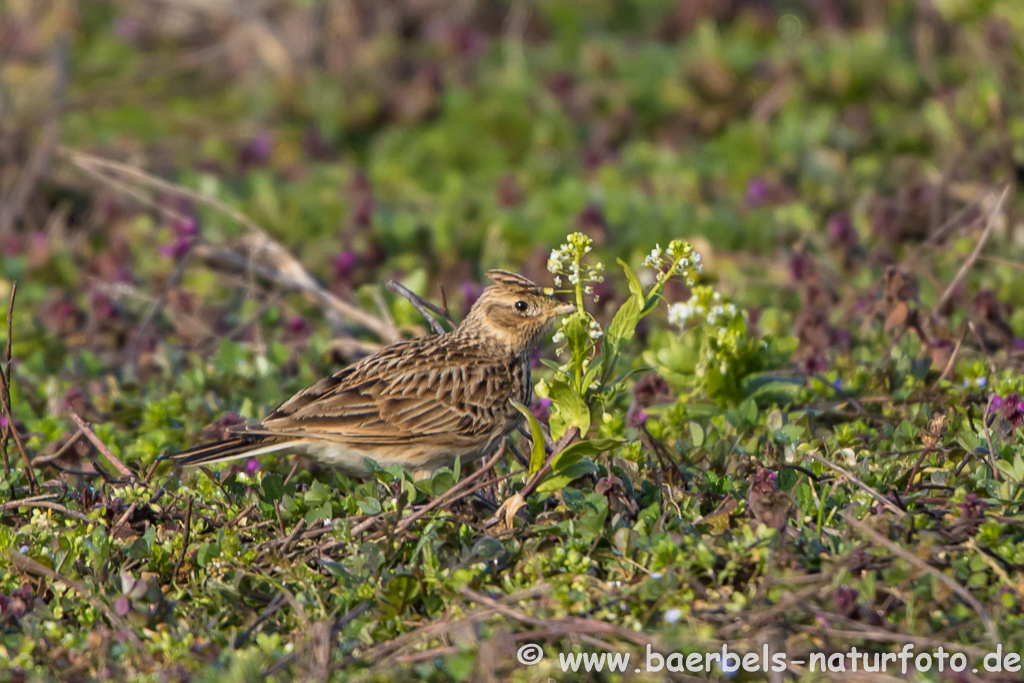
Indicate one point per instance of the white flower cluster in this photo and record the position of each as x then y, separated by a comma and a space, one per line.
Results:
564, 262
681, 256
709, 308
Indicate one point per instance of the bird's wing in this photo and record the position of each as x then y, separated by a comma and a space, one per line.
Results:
413, 389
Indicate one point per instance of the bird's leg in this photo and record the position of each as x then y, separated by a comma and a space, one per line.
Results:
519, 456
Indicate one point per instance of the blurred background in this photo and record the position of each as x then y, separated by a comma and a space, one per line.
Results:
200, 200
153, 153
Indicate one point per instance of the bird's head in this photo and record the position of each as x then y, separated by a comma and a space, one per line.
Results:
514, 312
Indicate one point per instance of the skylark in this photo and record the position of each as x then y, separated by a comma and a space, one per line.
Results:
419, 403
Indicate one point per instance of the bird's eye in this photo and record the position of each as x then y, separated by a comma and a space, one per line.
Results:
521, 306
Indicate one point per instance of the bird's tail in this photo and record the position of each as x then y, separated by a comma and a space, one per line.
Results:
229, 449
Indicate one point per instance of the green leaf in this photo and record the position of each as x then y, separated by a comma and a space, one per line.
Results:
369, 506
569, 410
317, 495
591, 374
207, 552
748, 411
576, 336
322, 512
273, 487
441, 481
624, 323
460, 666
575, 452
537, 454
696, 434
567, 475
787, 479
635, 287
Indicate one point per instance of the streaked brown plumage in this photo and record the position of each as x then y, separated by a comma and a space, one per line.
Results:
418, 403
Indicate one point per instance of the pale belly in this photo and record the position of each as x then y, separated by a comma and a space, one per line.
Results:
352, 461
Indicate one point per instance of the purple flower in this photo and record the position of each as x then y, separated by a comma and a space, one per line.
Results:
297, 324
252, 465
799, 267
177, 249
362, 212
470, 293
840, 230
814, 364
1011, 407
186, 227
541, 409
3, 424
757, 192
845, 600
592, 223
256, 152
344, 264
973, 505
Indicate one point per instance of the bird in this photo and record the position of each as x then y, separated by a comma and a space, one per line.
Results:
419, 403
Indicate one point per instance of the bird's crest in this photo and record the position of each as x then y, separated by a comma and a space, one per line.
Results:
514, 283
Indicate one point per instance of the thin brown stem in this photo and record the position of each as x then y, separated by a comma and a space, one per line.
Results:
102, 447
185, 540
5, 394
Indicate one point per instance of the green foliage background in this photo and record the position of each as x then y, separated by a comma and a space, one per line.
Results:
835, 162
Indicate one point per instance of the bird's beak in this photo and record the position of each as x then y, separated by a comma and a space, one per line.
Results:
564, 309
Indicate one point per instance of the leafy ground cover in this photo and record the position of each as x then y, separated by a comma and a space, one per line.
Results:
811, 444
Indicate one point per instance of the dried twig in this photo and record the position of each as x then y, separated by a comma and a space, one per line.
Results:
519, 498
443, 499
881, 540
420, 304
124, 518
281, 267
41, 153
29, 566
274, 605
566, 624
858, 483
41, 460
988, 439
225, 259
291, 537
48, 504
185, 540
974, 254
339, 623
241, 515
444, 308
949, 364
5, 395
102, 447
